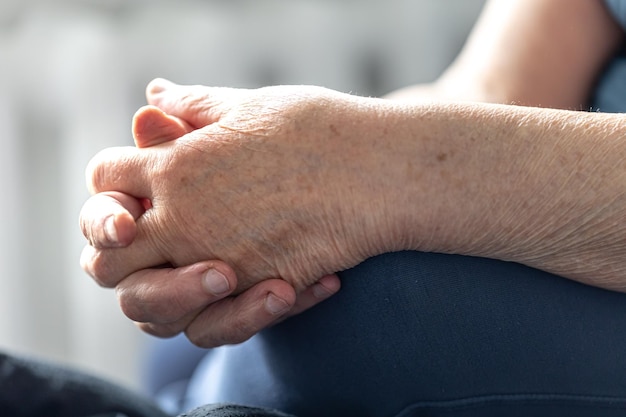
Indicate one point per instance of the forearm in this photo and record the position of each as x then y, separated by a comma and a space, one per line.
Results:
304, 181
546, 188
529, 52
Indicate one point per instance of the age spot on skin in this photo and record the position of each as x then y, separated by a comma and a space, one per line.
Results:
184, 180
444, 156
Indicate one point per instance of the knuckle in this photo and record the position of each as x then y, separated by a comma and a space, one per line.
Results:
152, 300
109, 166
197, 100
95, 172
97, 265
101, 271
190, 99
132, 309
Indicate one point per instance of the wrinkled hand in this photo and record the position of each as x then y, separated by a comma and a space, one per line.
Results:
255, 185
167, 301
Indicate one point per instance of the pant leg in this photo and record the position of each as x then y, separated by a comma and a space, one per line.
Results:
166, 369
414, 334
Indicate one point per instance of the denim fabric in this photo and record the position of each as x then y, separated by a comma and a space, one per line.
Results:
414, 334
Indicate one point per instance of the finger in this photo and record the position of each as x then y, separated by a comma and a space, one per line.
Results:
152, 126
120, 169
198, 105
109, 266
107, 220
323, 289
318, 292
165, 330
236, 319
165, 296
149, 248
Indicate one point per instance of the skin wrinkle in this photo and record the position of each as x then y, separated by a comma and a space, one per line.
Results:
525, 241
510, 166
198, 105
590, 185
539, 203
298, 237
492, 144
157, 238
564, 236
101, 174
241, 219
528, 166
140, 312
215, 171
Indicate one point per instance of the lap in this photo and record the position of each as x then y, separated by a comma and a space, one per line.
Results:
449, 335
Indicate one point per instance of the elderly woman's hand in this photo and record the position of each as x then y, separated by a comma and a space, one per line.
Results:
195, 299
259, 184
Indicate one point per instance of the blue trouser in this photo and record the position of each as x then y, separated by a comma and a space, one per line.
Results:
410, 334
417, 334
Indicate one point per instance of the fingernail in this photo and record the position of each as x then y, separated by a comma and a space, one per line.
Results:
158, 85
320, 291
275, 305
110, 230
216, 282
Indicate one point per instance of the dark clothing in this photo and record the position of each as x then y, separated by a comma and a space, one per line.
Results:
31, 388
419, 334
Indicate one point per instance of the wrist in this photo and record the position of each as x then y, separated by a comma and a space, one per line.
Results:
535, 186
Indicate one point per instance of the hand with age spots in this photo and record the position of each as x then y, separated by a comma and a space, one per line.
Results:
255, 183
198, 298
297, 183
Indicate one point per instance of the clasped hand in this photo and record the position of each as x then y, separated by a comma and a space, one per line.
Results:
251, 182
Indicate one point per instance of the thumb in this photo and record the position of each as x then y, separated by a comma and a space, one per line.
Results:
200, 106
152, 126
108, 220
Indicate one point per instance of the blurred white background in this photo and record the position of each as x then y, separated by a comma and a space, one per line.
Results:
72, 73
